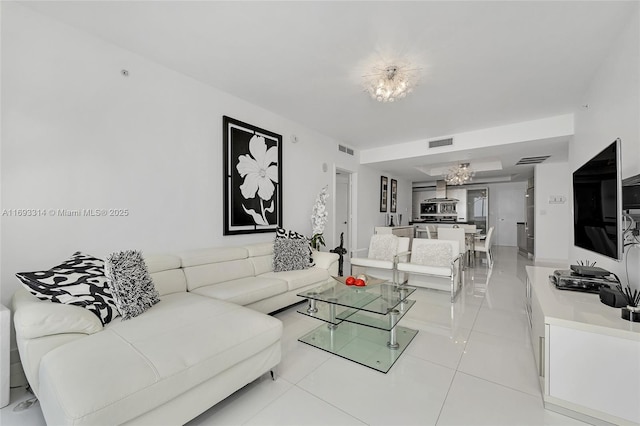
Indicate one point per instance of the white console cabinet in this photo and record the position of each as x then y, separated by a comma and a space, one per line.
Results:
587, 356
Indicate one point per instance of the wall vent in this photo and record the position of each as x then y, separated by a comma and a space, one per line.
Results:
345, 149
532, 160
440, 142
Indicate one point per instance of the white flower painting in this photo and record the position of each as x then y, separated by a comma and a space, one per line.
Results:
260, 172
253, 194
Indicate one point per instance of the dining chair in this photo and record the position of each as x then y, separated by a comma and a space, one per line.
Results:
423, 232
455, 234
484, 246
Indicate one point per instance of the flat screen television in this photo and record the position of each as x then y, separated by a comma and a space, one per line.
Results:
597, 203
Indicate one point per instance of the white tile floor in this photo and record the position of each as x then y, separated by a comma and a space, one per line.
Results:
470, 364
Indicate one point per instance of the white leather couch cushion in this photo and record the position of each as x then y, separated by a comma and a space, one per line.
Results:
37, 318
245, 290
161, 262
212, 255
166, 273
162, 353
262, 264
214, 273
171, 281
301, 278
260, 249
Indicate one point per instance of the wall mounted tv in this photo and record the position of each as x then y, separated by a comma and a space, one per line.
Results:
597, 203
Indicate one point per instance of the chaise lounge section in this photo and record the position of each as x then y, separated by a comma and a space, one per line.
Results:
207, 337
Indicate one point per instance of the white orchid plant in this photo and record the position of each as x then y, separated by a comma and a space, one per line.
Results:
319, 219
260, 172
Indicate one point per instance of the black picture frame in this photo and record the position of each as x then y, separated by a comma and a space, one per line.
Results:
384, 191
247, 182
394, 195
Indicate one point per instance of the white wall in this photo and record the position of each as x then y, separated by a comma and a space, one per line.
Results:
552, 235
613, 100
76, 134
368, 200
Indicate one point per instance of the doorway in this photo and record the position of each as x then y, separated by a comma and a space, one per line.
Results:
478, 208
343, 225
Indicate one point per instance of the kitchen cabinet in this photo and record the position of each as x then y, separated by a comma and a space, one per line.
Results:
585, 354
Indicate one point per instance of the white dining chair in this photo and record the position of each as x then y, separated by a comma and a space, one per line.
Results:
484, 246
455, 234
423, 232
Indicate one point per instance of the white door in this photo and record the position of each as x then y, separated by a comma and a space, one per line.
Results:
509, 209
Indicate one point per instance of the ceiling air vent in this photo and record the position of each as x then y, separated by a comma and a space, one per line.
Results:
345, 149
440, 142
532, 160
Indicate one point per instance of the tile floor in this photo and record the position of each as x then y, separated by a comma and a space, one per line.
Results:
470, 364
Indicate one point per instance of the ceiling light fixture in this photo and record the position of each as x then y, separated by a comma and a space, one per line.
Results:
391, 83
459, 175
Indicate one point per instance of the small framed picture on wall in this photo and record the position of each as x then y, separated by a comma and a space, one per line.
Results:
394, 195
384, 191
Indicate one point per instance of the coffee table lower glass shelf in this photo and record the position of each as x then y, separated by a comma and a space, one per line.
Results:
360, 322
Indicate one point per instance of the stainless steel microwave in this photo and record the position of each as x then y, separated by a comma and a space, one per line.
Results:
428, 208
447, 208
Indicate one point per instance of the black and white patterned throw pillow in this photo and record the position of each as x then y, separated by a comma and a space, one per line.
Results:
290, 254
130, 283
292, 235
79, 280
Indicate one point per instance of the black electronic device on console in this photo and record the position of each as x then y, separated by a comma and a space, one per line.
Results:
569, 280
612, 296
589, 271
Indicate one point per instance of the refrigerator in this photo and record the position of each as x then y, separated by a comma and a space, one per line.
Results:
531, 214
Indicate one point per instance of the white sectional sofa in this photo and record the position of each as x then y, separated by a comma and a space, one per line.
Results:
205, 339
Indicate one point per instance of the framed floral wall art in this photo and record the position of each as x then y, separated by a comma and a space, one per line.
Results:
384, 191
252, 178
394, 195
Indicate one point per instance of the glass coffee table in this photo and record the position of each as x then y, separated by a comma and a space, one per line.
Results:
361, 322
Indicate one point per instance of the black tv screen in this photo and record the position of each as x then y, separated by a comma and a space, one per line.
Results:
597, 203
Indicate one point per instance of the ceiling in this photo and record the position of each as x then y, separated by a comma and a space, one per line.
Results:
482, 64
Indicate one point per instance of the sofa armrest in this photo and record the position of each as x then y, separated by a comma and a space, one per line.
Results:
37, 318
326, 260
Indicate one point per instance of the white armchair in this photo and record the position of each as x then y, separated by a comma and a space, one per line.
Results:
384, 252
434, 264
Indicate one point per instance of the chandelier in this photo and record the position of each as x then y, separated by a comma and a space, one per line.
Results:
391, 83
459, 175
